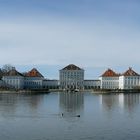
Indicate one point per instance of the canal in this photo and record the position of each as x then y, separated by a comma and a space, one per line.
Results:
70, 116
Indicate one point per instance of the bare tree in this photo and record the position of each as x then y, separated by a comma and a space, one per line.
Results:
7, 68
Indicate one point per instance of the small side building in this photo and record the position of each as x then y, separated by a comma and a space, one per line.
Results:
50, 84
13, 79
33, 79
92, 84
109, 80
129, 80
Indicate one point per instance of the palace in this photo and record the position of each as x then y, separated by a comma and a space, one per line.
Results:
127, 80
71, 77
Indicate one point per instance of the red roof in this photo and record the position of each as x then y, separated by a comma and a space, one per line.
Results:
109, 73
34, 73
130, 72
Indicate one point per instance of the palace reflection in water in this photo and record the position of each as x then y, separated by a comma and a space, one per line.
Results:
13, 104
125, 101
39, 117
71, 104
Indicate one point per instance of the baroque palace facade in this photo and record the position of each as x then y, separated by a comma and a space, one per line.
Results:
70, 77
127, 80
16, 80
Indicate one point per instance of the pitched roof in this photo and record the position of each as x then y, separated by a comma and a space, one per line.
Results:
109, 73
13, 72
33, 73
130, 72
71, 67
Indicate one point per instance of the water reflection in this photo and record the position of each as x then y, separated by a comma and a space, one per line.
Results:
131, 101
33, 117
18, 104
125, 101
71, 104
109, 101
8, 103
33, 101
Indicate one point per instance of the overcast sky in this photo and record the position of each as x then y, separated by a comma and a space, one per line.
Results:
50, 34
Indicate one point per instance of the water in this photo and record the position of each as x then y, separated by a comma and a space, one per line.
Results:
39, 117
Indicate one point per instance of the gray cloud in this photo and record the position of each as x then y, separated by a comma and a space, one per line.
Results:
59, 41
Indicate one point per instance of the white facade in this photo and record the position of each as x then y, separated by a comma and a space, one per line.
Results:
20, 82
51, 84
33, 82
16, 82
33, 79
13, 79
71, 77
109, 82
92, 84
128, 80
